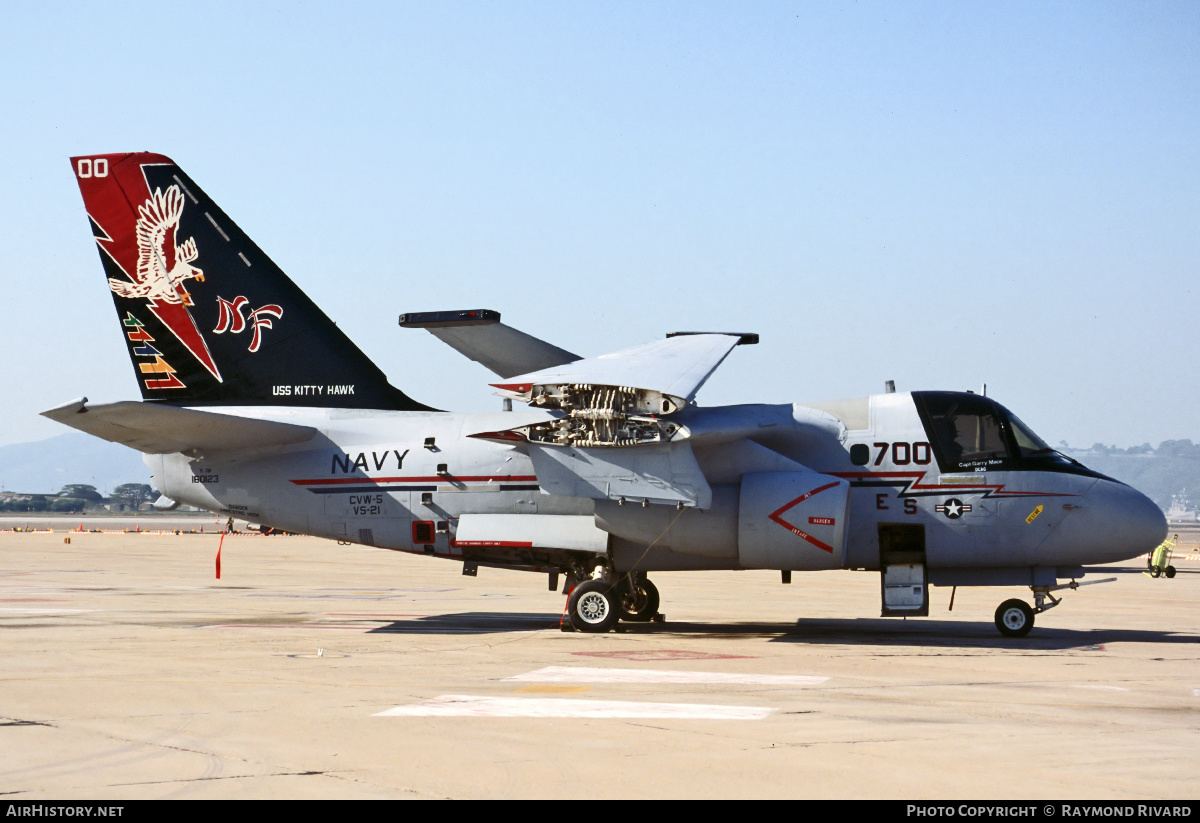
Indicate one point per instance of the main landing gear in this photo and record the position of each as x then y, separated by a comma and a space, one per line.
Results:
595, 605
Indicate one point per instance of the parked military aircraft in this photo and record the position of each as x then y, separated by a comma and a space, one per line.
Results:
256, 405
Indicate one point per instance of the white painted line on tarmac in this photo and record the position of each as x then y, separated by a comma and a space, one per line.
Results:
583, 674
457, 705
7, 610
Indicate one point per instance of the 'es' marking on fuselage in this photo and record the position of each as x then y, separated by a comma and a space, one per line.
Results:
343, 463
232, 321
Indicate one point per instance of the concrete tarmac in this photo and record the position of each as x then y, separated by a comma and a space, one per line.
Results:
313, 670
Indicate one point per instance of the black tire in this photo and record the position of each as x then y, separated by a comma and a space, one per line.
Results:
637, 603
1014, 618
1170, 571
592, 606
1156, 571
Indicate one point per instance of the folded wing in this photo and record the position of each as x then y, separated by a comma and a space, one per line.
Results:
613, 434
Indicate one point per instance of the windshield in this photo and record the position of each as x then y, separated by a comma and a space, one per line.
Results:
1027, 442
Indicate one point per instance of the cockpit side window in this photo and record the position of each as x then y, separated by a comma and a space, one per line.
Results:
967, 431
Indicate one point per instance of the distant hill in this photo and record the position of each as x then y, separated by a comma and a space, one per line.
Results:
1157, 473
45, 466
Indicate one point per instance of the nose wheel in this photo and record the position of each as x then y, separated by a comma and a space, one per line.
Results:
1014, 618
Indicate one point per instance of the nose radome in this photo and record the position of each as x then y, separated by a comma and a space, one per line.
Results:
1113, 522
1120, 523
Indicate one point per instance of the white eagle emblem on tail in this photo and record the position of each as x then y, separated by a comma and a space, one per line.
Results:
162, 265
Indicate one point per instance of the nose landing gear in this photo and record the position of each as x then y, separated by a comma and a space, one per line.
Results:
1014, 618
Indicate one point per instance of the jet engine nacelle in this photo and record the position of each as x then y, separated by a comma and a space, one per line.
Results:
792, 520
770, 520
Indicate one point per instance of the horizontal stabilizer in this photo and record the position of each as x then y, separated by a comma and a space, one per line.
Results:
481, 336
154, 428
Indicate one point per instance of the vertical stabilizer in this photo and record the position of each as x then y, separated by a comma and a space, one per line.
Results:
207, 317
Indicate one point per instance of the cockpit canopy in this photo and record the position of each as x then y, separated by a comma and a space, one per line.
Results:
971, 433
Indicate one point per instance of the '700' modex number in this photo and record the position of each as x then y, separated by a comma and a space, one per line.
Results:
904, 453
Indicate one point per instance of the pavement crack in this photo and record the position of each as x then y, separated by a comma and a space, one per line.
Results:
228, 777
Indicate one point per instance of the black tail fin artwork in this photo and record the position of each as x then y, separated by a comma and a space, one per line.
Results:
208, 318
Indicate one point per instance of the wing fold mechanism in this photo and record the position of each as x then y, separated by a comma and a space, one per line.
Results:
152, 428
620, 399
611, 434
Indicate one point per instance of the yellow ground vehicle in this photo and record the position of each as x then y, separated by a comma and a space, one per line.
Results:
1160, 559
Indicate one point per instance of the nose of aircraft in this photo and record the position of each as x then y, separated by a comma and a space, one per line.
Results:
1113, 522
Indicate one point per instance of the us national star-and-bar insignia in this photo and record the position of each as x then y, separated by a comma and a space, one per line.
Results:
953, 508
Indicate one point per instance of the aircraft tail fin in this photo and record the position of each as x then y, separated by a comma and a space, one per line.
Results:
209, 318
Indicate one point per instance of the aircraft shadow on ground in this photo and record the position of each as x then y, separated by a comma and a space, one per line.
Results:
472, 623
855, 631
976, 635
924, 632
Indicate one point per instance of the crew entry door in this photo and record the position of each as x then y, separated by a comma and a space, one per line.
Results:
905, 587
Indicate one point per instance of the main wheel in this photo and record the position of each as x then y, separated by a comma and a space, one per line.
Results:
1155, 571
636, 602
1014, 618
1170, 571
592, 607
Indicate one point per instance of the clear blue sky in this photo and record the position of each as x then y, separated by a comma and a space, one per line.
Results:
943, 194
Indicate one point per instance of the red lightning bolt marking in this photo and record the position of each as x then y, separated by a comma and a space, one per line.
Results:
112, 202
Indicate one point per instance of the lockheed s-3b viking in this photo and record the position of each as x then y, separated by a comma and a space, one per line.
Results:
256, 405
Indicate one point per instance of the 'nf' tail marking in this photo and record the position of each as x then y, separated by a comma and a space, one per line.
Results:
231, 319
